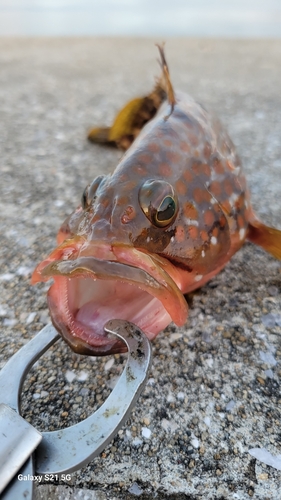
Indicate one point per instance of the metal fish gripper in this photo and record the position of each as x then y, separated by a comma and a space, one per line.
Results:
26, 451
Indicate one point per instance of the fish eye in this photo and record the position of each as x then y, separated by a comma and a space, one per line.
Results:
158, 202
90, 191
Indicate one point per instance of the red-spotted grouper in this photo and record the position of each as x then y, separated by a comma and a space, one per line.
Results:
166, 221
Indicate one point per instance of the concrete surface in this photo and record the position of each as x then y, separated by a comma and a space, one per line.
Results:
214, 391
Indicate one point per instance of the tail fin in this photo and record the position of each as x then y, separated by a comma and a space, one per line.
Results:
267, 237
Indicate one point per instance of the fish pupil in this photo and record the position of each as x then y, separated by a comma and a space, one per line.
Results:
166, 210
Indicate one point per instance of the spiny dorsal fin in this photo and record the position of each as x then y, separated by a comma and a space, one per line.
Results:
166, 76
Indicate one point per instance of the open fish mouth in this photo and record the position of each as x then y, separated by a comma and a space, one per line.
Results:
97, 282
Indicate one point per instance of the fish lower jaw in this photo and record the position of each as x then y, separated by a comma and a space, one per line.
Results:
80, 308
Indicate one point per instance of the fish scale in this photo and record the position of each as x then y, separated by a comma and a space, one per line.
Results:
176, 208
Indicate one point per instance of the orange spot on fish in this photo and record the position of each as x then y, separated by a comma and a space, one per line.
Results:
218, 166
165, 169
204, 235
153, 147
222, 221
184, 146
193, 139
180, 234
128, 215
139, 170
207, 150
188, 175
193, 232
215, 188
168, 142
215, 232
131, 185
217, 208
209, 218
228, 187
201, 169
190, 211
205, 169
123, 200
123, 177
145, 158
240, 221
180, 187
201, 195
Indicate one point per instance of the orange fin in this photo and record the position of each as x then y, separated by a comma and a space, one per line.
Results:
129, 120
99, 135
136, 113
267, 237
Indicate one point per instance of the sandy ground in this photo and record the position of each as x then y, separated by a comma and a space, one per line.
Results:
214, 390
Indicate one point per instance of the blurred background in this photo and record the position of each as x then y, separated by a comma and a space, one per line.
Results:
210, 18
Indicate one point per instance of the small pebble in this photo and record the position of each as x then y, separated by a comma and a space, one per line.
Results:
135, 490
137, 442
145, 432
263, 476
30, 318
70, 376
9, 322
268, 358
7, 277
180, 396
195, 442
109, 364
230, 405
82, 376
270, 320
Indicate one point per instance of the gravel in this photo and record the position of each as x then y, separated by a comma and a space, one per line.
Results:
214, 392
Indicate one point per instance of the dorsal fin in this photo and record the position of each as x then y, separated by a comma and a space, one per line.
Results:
167, 80
136, 113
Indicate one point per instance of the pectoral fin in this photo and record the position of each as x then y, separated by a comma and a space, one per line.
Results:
267, 237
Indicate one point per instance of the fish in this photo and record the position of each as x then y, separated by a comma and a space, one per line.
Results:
166, 221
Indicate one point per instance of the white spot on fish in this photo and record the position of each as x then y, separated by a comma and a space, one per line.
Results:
203, 253
198, 277
192, 222
214, 240
213, 200
242, 233
233, 198
148, 239
172, 239
236, 170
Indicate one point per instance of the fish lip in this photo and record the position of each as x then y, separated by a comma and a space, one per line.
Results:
102, 261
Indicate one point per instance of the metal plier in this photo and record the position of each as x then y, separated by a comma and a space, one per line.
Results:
25, 452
